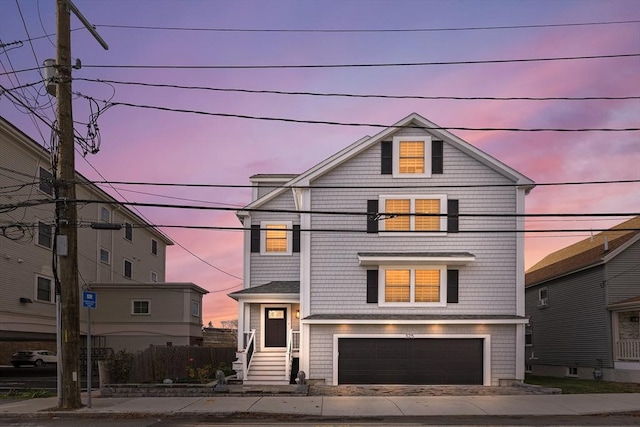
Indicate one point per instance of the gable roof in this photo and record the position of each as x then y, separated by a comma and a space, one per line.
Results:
412, 120
588, 252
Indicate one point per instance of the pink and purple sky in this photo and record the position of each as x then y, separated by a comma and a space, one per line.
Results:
145, 145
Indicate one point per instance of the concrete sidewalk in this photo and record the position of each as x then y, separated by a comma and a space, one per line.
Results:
338, 406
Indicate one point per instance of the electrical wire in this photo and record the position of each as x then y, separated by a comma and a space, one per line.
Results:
353, 95
364, 65
372, 30
374, 125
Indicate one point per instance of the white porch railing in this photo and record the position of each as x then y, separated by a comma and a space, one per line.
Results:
628, 350
247, 353
293, 344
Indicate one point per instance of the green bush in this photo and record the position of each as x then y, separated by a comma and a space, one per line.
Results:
120, 366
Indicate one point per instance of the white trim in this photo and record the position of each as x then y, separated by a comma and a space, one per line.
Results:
520, 270
262, 324
104, 209
520, 351
367, 260
52, 289
148, 301
263, 237
264, 298
426, 140
416, 321
412, 203
412, 268
124, 268
108, 252
366, 142
486, 374
246, 222
305, 279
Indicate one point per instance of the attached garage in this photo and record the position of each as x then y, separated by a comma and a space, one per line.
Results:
434, 361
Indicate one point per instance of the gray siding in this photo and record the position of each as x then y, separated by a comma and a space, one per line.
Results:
338, 283
267, 268
623, 275
574, 329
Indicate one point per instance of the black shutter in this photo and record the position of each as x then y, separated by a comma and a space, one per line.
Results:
372, 286
372, 216
452, 286
296, 238
255, 238
386, 157
437, 157
453, 223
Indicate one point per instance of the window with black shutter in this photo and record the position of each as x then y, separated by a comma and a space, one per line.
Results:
255, 238
372, 216
296, 238
453, 221
437, 157
386, 160
372, 286
452, 286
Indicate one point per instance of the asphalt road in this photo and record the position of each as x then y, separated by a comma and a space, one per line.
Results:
30, 378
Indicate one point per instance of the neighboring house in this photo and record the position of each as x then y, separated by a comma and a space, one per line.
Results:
136, 315
367, 268
133, 255
584, 306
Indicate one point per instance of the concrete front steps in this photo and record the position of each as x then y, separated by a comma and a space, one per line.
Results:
267, 368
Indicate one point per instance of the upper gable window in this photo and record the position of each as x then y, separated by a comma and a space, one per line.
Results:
105, 214
46, 181
411, 157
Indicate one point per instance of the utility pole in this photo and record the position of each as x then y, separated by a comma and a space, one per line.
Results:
66, 213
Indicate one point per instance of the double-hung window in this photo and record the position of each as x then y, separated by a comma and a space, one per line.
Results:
154, 247
44, 289
413, 285
128, 231
276, 238
46, 181
414, 213
105, 256
411, 157
45, 237
127, 269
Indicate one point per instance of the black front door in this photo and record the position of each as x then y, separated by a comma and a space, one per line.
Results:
275, 327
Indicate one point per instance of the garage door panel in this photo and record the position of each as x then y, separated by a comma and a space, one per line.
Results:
410, 361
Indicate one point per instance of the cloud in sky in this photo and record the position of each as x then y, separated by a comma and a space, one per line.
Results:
145, 145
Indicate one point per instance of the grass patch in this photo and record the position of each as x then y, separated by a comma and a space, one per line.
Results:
27, 394
576, 386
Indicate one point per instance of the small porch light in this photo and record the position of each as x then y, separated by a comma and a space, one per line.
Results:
297, 314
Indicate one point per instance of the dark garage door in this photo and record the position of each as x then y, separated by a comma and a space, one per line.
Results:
410, 361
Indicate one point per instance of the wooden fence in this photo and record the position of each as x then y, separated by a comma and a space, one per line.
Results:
157, 363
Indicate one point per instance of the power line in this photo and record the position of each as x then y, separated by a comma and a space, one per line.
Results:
353, 95
371, 65
365, 30
38, 202
333, 123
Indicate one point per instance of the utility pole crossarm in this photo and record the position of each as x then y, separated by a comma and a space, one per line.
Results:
86, 23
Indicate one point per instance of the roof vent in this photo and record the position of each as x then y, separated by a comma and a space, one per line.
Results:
606, 243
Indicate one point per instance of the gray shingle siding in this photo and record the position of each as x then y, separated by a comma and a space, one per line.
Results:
339, 283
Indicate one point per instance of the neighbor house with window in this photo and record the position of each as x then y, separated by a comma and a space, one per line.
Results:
398, 260
584, 306
133, 255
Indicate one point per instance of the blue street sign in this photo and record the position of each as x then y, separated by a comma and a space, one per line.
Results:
89, 299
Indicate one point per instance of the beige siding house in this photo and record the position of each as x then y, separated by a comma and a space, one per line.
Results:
132, 256
396, 261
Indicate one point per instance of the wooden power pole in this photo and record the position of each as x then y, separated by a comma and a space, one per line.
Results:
67, 215
66, 212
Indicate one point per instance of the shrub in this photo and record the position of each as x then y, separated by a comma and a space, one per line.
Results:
120, 366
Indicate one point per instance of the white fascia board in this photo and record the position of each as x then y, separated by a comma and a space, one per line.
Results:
401, 260
415, 322
268, 298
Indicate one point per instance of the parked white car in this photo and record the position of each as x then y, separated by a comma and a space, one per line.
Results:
35, 358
